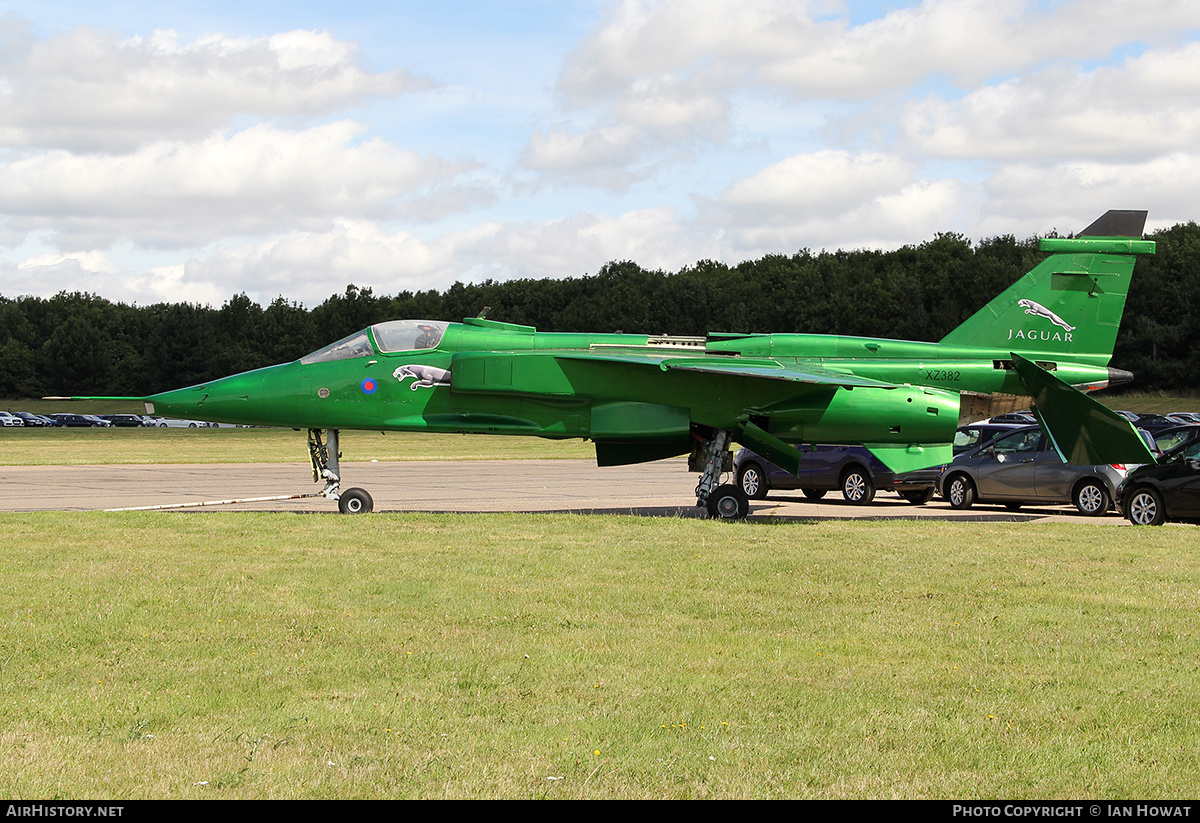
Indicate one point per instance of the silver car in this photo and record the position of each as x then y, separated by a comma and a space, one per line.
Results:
1021, 467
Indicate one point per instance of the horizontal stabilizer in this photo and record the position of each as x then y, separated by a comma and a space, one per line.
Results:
1084, 431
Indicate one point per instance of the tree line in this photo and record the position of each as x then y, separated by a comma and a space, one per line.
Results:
76, 343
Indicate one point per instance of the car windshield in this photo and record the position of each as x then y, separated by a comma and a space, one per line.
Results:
408, 335
1165, 441
1024, 441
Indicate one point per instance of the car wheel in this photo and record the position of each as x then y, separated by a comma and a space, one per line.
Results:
813, 494
857, 487
752, 481
1146, 508
355, 501
960, 491
728, 502
918, 498
1091, 498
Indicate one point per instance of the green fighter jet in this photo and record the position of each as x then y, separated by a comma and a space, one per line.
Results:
641, 398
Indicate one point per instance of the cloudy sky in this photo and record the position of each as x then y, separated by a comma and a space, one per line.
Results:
160, 151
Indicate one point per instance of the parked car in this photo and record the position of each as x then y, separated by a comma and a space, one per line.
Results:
37, 420
80, 420
1168, 490
1021, 467
1167, 439
175, 423
1155, 422
1017, 418
10, 419
853, 470
967, 437
124, 420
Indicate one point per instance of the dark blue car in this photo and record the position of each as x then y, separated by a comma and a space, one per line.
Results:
852, 470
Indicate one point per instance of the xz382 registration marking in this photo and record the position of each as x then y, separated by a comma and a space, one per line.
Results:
942, 375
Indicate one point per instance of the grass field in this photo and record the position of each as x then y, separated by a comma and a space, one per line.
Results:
234, 655
257, 655
59, 447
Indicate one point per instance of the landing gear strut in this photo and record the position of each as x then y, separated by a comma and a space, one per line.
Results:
324, 457
724, 502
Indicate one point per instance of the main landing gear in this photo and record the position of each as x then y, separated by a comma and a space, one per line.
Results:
712, 459
324, 456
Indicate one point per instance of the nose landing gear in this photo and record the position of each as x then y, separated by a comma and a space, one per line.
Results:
324, 456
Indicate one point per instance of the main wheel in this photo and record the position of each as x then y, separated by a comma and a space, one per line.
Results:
918, 497
1091, 498
752, 481
960, 491
813, 494
857, 487
728, 502
1146, 508
355, 501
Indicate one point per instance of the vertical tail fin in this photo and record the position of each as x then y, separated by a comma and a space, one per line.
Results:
1069, 304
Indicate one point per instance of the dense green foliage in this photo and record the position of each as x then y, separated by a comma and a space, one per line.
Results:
81, 343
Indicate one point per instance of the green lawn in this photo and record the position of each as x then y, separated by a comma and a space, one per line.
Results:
240, 655
57, 447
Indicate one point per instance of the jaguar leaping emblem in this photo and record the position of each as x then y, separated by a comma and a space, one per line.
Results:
424, 377
1038, 310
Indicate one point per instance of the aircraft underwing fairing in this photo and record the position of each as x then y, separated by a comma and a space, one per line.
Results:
642, 398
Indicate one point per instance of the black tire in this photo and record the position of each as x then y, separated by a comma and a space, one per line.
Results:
1145, 507
857, 487
355, 501
959, 491
918, 497
728, 502
813, 494
1091, 498
752, 480
191, 425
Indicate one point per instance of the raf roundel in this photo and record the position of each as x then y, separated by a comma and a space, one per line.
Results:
368, 385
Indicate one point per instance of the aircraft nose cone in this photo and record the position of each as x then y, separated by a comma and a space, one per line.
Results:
235, 399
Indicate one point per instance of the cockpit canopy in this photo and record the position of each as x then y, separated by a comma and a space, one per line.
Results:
392, 336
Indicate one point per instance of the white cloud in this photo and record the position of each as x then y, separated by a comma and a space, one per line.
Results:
1068, 195
1147, 106
829, 199
811, 184
260, 180
86, 90
309, 266
799, 48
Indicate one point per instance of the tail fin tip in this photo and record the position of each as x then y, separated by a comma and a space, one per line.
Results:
1117, 223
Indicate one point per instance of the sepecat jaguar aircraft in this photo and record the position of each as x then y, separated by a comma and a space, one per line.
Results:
641, 398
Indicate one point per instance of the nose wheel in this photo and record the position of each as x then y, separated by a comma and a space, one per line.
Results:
324, 455
355, 501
